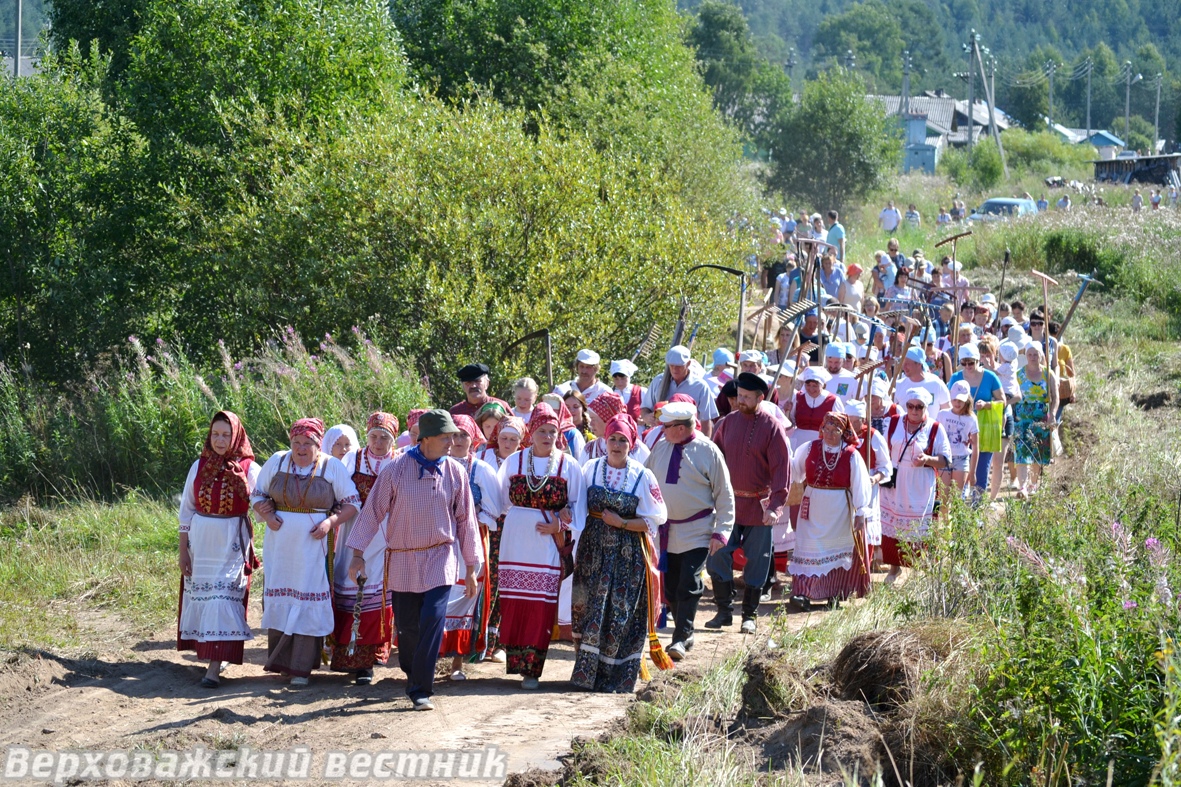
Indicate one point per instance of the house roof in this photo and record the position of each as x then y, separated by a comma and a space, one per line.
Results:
1106, 139
939, 111
980, 114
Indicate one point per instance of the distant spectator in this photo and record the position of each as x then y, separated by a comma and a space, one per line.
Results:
787, 284
1042, 203
944, 217
884, 271
1154, 199
896, 256
1064, 203
1137, 202
832, 273
889, 218
913, 217
836, 235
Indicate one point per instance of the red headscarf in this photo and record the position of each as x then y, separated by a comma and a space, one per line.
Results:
543, 415
686, 399
841, 421
308, 427
220, 488
386, 422
608, 405
505, 423
412, 418
621, 424
467, 424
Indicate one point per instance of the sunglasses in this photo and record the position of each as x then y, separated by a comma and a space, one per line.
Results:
967, 362
916, 407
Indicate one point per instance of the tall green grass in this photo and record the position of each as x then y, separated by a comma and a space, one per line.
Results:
139, 418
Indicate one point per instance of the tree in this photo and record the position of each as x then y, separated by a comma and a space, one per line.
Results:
836, 146
873, 33
112, 23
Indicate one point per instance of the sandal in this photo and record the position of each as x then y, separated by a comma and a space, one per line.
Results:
210, 683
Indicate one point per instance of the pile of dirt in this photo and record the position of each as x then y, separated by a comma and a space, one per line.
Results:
1155, 400
882, 668
828, 738
666, 685
772, 688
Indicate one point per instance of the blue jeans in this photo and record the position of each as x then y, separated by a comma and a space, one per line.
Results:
419, 618
983, 469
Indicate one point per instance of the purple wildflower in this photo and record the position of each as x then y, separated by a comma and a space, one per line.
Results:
133, 339
238, 366
1152, 544
159, 342
356, 329
1129, 604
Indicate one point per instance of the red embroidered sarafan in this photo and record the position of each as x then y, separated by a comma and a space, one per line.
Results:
809, 418
818, 474
220, 488
363, 481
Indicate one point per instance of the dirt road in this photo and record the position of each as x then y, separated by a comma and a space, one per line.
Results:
141, 694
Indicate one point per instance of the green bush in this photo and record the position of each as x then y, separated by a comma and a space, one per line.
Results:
985, 166
139, 420
1045, 153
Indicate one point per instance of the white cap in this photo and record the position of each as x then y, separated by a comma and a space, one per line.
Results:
880, 388
955, 265
835, 350
677, 411
752, 355
624, 367
588, 357
969, 351
1015, 334
1008, 352
917, 394
812, 373
988, 299
855, 407
1008, 322
677, 355
961, 390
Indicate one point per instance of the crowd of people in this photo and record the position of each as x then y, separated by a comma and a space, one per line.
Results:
592, 512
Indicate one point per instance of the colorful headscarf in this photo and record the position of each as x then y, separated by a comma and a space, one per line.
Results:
680, 397
621, 424
491, 409
221, 488
607, 405
513, 423
386, 422
543, 415
841, 421
308, 427
467, 424
412, 418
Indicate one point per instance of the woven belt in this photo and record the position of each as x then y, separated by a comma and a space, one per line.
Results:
702, 514
421, 549
754, 495
814, 486
306, 510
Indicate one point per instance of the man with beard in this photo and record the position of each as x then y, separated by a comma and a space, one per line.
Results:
474, 378
841, 381
755, 446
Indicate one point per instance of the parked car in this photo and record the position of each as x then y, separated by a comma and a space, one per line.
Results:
1001, 208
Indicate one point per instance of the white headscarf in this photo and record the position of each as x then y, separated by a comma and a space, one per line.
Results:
335, 433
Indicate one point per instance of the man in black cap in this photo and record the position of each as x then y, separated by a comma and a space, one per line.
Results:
474, 377
755, 445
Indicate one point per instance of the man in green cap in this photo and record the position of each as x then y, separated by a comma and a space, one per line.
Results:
431, 532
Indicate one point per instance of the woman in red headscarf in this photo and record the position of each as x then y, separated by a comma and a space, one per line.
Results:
542, 489
605, 407
301, 494
217, 548
829, 561
465, 631
372, 643
616, 586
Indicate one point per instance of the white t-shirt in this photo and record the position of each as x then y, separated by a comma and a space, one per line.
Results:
843, 384
931, 384
890, 218
960, 429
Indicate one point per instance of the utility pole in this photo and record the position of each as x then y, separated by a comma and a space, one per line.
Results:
850, 59
1156, 116
1051, 67
971, 51
16, 60
789, 66
1090, 68
1129, 81
990, 97
904, 106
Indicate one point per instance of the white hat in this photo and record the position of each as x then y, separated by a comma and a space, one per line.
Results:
783, 211
988, 299
1007, 352
835, 350
917, 394
969, 351
880, 388
755, 356
677, 411
624, 367
1008, 322
588, 357
677, 355
961, 390
955, 265
860, 329
855, 407
812, 373
863, 350
1015, 334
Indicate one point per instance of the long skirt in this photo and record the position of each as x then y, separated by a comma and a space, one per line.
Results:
377, 612
494, 587
297, 600
530, 574
825, 564
900, 553
609, 609
465, 628
211, 616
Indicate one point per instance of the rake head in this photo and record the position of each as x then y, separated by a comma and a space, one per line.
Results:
795, 310
645, 348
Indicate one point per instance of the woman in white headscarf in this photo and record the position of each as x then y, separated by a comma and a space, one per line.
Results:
340, 441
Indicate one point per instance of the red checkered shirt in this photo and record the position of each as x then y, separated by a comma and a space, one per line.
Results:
432, 525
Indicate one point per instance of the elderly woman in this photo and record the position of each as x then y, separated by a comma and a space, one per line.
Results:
505, 441
488, 417
830, 561
372, 643
297, 493
340, 441
217, 548
871, 444
465, 632
616, 587
918, 448
1034, 419
542, 490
